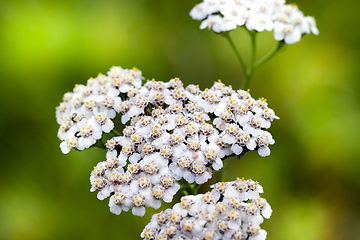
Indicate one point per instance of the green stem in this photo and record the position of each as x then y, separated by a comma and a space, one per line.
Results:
253, 47
123, 96
184, 192
220, 175
269, 55
249, 71
115, 132
194, 187
188, 189
254, 65
99, 144
237, 53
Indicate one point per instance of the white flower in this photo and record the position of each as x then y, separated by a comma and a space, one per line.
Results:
181, 166
287, 21
67, 130
206, 216
254, 231
101, 121
71, 143
211, 6
92, 107
264, 207
228, 24
263, 139
213, 22
236, 13
312, 25
198, 12
101, 185
267, 116
286, 32
259, 22
116, 202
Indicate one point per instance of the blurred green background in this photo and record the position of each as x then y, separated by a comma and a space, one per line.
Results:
310, 179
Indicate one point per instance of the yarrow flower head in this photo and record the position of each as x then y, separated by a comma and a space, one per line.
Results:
232, 210
170, 132
87, 112
287, 21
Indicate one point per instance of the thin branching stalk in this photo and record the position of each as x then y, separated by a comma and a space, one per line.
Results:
248, 71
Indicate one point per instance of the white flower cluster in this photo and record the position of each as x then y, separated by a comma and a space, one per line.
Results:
169, 133
86, 112
230, 211
287, 21
141, 184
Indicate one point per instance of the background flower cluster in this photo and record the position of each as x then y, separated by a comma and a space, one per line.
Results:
286, 20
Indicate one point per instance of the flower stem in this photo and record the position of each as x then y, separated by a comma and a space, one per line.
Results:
99, 144
220, 175
195, 188
187, 188
184, 192
115, 132
279, 45
237, 53
250, 69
